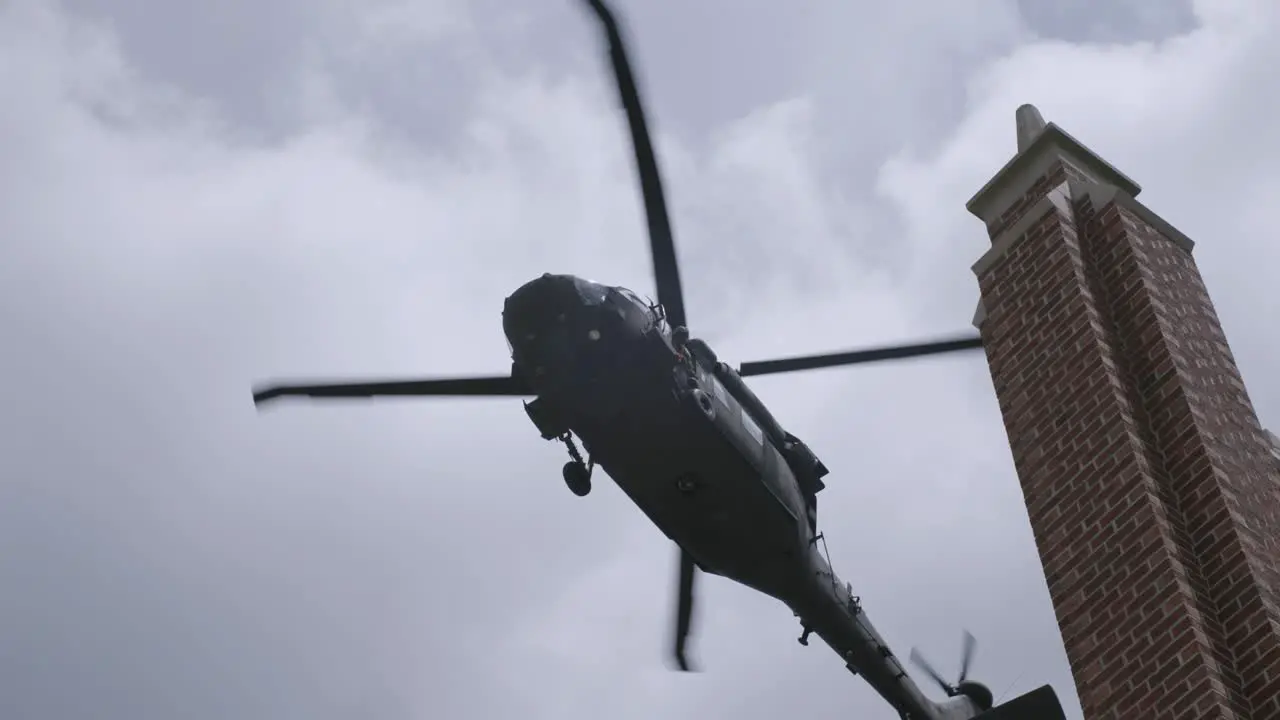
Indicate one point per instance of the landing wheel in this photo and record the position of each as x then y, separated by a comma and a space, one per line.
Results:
578, 477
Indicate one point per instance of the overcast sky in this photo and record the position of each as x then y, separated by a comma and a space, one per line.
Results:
198, 195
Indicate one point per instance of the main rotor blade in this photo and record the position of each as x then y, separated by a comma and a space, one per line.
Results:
505, 385
666, 273
813, 362
684, 609
970, 646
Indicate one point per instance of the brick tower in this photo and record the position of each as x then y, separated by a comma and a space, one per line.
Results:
1153, 493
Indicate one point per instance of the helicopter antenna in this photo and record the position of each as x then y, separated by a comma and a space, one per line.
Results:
1005, 694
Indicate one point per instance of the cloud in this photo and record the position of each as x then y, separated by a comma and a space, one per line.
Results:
173, 232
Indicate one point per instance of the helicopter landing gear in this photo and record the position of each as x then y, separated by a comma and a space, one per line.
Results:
804, 636
806, 631
578, 477
576, 472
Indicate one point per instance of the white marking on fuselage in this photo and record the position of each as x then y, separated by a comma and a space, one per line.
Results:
752, 428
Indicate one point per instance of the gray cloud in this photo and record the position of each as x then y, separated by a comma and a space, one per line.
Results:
195, 200
1125, 21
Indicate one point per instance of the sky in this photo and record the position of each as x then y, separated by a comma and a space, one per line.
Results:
199, 196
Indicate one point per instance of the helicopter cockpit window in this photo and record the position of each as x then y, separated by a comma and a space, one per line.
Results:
634, 310
633, 298
590, 292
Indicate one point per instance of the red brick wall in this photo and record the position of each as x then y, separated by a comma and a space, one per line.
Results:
1149, 483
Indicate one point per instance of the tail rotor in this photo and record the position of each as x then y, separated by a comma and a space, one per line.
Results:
977, 692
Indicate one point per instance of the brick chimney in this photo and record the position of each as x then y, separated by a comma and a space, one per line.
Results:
1151, 487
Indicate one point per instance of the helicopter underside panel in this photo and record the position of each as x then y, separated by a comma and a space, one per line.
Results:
709, 485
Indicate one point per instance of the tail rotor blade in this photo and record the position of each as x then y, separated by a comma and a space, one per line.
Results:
856, 357
684, 609
661, 239
496, 386
934, 675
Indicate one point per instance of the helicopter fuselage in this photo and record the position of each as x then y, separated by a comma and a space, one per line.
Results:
669, 424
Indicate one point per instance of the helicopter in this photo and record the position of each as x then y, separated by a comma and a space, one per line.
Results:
686, 439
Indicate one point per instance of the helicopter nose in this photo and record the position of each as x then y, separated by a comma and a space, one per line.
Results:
531, 306
543, 317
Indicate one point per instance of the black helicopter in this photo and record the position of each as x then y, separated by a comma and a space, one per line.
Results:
686, 439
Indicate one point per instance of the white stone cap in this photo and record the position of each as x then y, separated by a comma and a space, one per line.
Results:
1039, 145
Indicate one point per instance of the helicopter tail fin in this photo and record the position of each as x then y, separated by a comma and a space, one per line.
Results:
1039, 704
